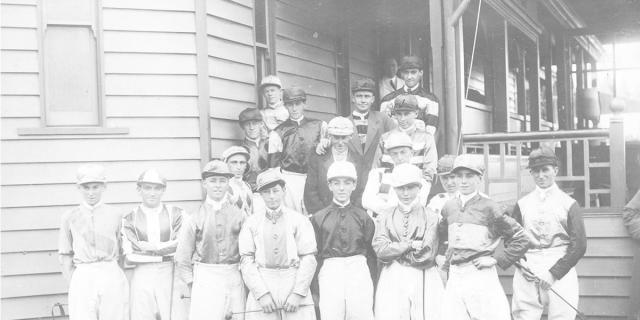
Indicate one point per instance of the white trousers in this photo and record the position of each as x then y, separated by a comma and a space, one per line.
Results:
346, 289
407, 293
98, 290
151, 291
217, 290
294, 197
529, 300
280, 283
474, 293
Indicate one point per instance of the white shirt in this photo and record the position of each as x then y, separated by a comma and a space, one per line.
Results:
337, 156
216, 205
464, 198
153, 222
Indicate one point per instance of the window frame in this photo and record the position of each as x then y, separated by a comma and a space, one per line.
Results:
97, 29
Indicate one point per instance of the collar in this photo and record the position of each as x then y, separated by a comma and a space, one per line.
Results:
543, 194
409, 130
297, 121
216, 205
465, 198
405, 209
273, 215
256, 141
91, 207
337, 156
341, 205
273, 106
155, 210
360, 115
414, 88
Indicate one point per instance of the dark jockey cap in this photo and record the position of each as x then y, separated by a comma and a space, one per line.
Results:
293, 94
364, 84
405, 102
542, 157
249, 114
409, 62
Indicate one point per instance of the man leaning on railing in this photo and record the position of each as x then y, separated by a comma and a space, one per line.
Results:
631, 217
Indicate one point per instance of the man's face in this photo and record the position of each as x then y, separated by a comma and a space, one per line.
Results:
296, 109
252, 128
544, 176
342, 189
467, 181
151, 194
405, 118
390, 68
237, 165
92, 192
273, 196
272, 94
411, 77
448, 182
400, 155
339, 143
216, 187
363, 100
408, 193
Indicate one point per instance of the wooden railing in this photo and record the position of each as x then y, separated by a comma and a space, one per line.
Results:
592, 163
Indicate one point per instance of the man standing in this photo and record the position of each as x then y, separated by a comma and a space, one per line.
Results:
89, 249
406, 242
425, 155
631, 217
150, 239
475, 224
207, 255
369, 124
273, 112
378, 196
317, 195
447, 181
237, 159
291, 143
344, 233
251, 122
554, 222
389, 81
278, 256
411, 71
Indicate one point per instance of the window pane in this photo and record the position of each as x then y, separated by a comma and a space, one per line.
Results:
71, 76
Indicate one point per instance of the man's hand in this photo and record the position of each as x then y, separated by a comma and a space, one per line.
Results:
146, 246
267, 303
416, 245
387, 108
546, 280
484, 262
292, 303
525, 273
322, 146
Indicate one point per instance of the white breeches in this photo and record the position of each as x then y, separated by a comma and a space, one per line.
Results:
407, 293
217, 291
280, 283
529, 300
474, 293
98, 290
346, 289
151, 291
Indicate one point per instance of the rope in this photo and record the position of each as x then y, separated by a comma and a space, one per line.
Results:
473, 52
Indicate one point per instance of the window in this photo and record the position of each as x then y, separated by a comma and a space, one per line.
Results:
265, 63
71, 63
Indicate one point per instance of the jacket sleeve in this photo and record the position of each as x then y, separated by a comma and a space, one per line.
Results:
369, 233
312, 200
386, 249
516, 241
307, 248
185, 250
430, 159
248, 264
274, 149
577, 243
426, 256
370, 199
65, 248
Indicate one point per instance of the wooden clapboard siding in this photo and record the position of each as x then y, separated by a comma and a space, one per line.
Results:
150, 87
605, 271
362, 53
306, 55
